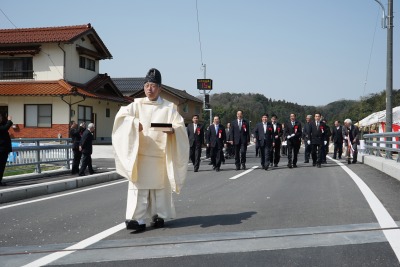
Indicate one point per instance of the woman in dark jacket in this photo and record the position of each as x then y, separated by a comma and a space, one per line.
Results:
5, 144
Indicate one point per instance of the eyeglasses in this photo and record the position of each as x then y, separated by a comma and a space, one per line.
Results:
150, 85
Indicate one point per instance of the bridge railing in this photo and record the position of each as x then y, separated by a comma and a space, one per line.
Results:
382, 144
37, 151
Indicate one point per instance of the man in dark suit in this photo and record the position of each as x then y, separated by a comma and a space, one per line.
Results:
264, 135
317, 139
86, 147
229, 153
350, 135
196, 137
5, 144
75, 133
240, 137
275, 154
216, 138
328, 134
293, 137
307, 147
337, 139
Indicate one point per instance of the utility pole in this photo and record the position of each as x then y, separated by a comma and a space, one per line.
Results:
204, 92
387, 22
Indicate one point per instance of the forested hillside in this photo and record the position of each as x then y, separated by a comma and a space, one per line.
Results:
254, 105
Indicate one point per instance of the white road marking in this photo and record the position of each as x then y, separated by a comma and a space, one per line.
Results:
380, 212
243, 173
81, 245
61, 195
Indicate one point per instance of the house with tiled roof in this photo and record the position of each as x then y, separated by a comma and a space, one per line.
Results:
187, 104
50, 76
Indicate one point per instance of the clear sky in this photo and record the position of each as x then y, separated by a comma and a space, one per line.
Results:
311, 52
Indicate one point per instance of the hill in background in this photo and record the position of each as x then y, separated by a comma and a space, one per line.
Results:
254, 105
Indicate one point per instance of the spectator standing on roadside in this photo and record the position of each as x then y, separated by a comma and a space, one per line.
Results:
5, 144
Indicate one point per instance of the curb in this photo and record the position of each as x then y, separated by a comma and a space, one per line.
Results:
30, 191
390, 167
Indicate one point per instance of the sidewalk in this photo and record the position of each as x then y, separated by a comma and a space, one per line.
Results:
25, 186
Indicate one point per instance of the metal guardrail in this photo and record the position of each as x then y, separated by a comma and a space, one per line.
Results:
35, 151
382, 143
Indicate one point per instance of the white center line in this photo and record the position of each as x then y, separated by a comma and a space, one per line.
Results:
243, 173
81, 245
380, 212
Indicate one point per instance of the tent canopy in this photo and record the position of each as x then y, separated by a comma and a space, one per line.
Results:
380, 116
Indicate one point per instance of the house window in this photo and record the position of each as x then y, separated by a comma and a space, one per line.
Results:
197, 110
16, 68
107, 113
87, 63
185, 108
38, 115
85, 114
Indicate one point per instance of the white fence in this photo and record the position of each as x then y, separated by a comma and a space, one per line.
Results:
34, 151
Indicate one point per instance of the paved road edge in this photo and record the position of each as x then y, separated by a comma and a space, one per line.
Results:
30, 191
390, 167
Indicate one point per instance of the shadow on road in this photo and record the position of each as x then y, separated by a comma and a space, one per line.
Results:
212, 220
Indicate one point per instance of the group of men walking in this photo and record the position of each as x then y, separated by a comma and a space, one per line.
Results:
269, 137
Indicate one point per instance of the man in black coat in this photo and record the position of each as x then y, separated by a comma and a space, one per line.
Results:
196, 137
293, 137
275, 154
86, 147
264, 135
240, 137
350, 135
76, 133
5, 144
328, 134
317, 139
307, 147
216, 138
337, 139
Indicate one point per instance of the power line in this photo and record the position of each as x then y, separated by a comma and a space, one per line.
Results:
198, 30
8, 18
370, 55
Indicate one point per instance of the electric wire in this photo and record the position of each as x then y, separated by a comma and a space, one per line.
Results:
8, 18
370, 55
198, 30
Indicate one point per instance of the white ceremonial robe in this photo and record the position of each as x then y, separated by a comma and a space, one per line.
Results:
155, 163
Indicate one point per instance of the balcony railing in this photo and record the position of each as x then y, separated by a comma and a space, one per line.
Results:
16, 75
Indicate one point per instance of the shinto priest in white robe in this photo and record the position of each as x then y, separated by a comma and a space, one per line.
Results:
154, 162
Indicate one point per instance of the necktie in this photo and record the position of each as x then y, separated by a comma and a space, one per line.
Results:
240, 124
216, 129
317, 124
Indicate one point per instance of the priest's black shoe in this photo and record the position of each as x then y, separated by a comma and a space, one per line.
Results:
294, 166
196, 170
157, 222
243, 166
217, 169
266, 167
134, 225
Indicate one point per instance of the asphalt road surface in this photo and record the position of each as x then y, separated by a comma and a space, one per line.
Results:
338, 215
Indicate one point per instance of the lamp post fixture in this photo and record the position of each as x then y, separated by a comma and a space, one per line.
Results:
387, 22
